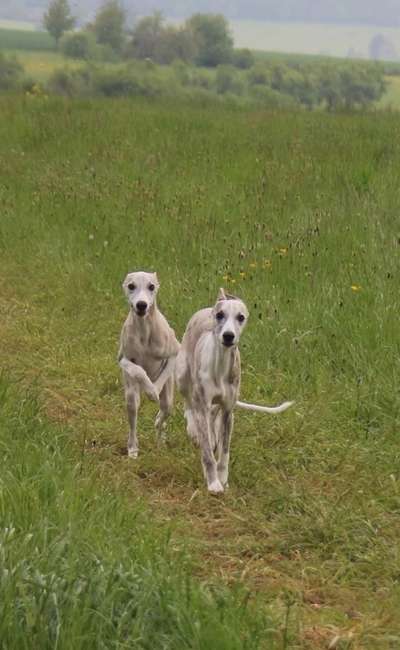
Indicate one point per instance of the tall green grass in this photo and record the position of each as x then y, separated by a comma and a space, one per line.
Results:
83, 567
296, 213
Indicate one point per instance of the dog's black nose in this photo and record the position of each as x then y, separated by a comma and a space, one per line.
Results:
141, 306
228, 338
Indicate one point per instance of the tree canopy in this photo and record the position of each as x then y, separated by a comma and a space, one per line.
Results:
109, 25
58, 18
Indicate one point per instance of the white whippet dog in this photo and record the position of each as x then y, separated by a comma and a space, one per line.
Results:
147, 353
208, 376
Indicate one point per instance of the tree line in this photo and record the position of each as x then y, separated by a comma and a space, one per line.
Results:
203, 39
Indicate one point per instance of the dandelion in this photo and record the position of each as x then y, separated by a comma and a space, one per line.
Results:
226, 278
267, 264
283, 251
355, 287
242, 274
253, 265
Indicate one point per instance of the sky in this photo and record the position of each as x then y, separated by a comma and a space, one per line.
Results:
356, 12
332, 27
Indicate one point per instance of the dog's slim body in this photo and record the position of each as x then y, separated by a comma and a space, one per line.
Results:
147, 353
208, 376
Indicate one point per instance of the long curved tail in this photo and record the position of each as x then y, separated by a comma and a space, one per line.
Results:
264, 409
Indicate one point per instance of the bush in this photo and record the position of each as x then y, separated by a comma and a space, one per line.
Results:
127, 82
270, 98
78, 45
71, 83
243, 59
258, 75
227, 81
11, 73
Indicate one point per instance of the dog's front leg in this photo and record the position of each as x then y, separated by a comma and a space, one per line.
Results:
140, 376
132, 397
224, 440
201, 416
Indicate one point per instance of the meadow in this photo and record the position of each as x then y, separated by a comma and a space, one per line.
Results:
25, 39
295, 212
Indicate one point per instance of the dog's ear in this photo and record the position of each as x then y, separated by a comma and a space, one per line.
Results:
221, 295
125, 282
230, 296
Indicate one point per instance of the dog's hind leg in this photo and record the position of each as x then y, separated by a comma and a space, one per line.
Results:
166, 404
132, 397
226, 426
201, 418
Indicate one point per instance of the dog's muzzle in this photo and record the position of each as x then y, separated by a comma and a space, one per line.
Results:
228, 339
141, 308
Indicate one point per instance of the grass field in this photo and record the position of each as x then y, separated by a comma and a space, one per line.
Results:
298, 214
21, 39
40, 65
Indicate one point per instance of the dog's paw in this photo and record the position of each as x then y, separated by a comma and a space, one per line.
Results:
215, 487
152, 392
133, 452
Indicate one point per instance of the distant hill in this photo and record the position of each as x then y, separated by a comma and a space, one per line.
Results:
360, 12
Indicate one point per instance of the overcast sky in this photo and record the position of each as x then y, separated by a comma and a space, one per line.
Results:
355, 12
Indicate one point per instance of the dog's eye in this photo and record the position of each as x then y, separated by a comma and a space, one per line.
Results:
151, 287
240, 318
219, 315
131, 287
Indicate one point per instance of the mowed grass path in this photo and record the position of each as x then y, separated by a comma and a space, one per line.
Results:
296, 213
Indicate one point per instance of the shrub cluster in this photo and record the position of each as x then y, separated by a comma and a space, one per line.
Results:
11, 73
325, 86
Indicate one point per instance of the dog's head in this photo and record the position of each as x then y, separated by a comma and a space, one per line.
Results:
230, 317
141, 289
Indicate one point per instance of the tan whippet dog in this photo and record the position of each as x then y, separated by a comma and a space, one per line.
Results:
208, 376
147, 353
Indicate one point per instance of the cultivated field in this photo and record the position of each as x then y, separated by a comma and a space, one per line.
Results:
298, 214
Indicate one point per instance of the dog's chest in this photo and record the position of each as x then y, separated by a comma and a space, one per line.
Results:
220, 383
140, 348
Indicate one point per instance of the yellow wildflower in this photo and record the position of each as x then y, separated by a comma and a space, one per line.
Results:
355, 287
253, 265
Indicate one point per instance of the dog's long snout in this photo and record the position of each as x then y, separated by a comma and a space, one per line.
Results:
228, 338
141, 307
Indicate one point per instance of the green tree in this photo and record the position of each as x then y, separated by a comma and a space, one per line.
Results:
146, 36
58, 18
175, 44
109, 25
212, 37
152, 39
